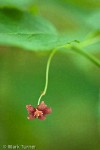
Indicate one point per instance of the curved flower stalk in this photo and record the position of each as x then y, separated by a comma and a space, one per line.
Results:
42, 110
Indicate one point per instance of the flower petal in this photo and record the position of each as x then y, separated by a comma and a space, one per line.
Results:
47, 111
30, 108
31, 117
42, 106
42, 117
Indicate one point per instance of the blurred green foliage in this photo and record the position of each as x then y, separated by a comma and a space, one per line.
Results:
74, 82
20, 4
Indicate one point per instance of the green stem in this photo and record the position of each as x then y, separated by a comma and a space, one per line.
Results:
90, 41
47, 75
74, 48
87, 55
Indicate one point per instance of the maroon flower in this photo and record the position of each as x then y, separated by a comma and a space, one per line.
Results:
40, 112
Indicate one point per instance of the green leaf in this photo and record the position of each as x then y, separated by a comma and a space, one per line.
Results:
33, 41
15, 21
24, 30
20, 4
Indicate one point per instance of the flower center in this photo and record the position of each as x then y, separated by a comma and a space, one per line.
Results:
38, 113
